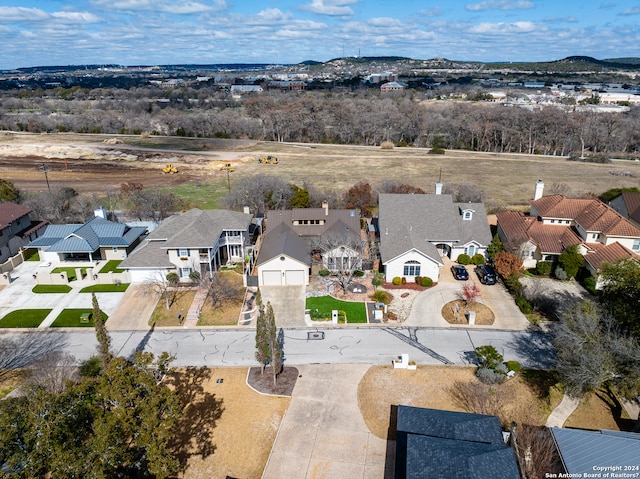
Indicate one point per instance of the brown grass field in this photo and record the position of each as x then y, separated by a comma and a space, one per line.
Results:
506, 179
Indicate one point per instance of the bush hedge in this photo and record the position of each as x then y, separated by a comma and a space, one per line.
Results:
544, 268
525, 306
324, 272
380, 297
477, 259
513, 366
397, 280
426, 282
464, 259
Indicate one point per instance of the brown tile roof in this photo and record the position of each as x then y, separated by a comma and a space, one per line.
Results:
607, 254
520, 228
10, 212
592, 215
632, 202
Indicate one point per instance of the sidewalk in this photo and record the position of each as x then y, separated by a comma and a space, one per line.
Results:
561, 413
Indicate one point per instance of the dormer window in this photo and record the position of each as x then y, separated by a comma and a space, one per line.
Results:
467, 215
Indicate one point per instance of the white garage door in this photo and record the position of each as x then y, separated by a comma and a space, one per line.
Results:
294, 277
271, 278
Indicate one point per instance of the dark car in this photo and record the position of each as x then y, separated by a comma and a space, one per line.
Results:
459, 272
486, 274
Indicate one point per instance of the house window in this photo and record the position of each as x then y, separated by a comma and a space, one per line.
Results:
470, 250
411, 268
115, 249
636, 245
185, 272
183, 252
553, 221
566, 222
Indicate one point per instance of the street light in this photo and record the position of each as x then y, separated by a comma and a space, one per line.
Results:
46, 170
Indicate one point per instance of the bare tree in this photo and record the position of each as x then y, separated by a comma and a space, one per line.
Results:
222, 290
168, 287
53, 371
480, 398
536, 451
342, 254
19, 352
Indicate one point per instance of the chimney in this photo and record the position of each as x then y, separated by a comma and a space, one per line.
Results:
537, 194
325, 207
100, 213
438, 188
245, 209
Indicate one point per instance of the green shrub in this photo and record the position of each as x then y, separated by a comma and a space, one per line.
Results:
589, 284
478, 259
358, 273
397, 280
524, 305
489, 376
464, 259
544, 268
488, 356
437, 151
426, 282
324, 272
513, 366
380, 296
513, 284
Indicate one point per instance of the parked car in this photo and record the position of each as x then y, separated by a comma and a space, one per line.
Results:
459, 272
486, 274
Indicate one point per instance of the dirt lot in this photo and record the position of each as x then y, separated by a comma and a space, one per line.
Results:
228, 428
95, 166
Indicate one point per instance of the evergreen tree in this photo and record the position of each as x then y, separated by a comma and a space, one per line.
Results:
274, 345
104, 340
263, 350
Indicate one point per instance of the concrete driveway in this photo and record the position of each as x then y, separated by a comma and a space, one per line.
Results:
288, 303
323, 434
427, 307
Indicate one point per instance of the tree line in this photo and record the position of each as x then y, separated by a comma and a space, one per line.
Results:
351, 117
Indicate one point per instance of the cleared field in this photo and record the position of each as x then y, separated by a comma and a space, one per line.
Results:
506, 179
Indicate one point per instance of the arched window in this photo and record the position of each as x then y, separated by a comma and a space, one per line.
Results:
412, 268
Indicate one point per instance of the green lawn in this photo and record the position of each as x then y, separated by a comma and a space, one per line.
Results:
71, 272
203, 195
24, 318
35, 255
70, 318
356, 311
51, 288
106, 288
112, 267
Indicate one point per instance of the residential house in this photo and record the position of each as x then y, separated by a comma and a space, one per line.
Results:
16, 229
295, 237
416, 231
436, 444
627, 204
585, 453
556, 222
97, 239
393, 86
195, 241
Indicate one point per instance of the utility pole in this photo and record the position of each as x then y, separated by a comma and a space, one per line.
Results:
46, 170
228, 182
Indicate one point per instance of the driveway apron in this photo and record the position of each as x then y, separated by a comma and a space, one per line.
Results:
288, 303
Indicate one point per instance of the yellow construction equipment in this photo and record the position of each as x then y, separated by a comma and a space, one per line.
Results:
170, 169
268, 160
227, 167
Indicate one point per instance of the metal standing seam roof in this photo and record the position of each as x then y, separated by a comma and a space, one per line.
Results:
582, 451
87, 237
408, 222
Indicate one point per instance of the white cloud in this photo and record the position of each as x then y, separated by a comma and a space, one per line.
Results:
179, 7
502, 28
433, 12
75, 17
500, 5
385, 22
20, 14
330, 7
560, 19
631, 11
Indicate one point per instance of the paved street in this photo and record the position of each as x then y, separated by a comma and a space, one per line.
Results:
209, 347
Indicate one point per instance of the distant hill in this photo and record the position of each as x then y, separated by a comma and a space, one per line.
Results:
572, 64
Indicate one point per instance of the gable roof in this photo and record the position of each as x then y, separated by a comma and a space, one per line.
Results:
434, 444
581, 450
88, 237
590, 214
283, 241
410, 221
519, 228
611, 253
10, 212
192, 229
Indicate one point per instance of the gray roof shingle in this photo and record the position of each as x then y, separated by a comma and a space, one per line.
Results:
419, 222
283, 240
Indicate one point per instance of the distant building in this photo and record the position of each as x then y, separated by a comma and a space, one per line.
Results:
393, 87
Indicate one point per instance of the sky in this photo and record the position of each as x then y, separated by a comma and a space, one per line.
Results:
158, 32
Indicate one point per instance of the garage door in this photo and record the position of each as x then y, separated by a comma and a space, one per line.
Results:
272, 278
294, 277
